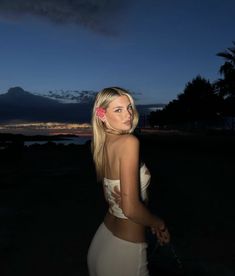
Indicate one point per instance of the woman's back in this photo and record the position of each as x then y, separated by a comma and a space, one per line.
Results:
114, 152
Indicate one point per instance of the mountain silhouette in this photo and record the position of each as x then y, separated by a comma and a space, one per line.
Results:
19, 96
20, 105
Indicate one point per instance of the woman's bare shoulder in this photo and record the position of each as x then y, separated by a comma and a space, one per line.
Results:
128, 142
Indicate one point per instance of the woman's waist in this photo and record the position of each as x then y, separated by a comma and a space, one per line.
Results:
125, 229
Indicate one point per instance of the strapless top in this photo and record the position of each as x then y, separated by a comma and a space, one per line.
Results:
110, 184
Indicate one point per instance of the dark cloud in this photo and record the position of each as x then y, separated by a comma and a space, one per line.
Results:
71, 96
93, 14
76, 96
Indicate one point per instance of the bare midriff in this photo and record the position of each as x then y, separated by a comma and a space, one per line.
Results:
125, 229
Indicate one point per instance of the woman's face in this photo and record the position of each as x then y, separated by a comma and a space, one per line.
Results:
119, 114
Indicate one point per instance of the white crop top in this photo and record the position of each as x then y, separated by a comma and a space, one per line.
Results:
110, 184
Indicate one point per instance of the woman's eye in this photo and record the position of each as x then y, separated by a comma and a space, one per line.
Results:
118, 110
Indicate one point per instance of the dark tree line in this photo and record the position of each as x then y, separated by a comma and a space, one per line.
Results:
202, 103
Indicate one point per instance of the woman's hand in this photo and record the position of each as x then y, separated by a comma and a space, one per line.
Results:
161, 231
159, 228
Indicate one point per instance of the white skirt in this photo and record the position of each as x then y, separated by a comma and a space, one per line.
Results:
109, 255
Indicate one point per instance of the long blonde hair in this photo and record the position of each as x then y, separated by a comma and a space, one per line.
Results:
103, 99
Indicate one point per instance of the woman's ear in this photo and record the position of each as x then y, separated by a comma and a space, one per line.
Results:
103, 119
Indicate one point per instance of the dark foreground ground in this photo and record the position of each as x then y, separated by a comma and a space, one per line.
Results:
51, 205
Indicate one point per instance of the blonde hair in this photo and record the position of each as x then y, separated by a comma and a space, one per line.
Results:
103, 99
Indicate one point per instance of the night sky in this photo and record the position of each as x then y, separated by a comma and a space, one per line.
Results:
151, 47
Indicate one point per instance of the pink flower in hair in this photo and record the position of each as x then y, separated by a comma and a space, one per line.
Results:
100, 111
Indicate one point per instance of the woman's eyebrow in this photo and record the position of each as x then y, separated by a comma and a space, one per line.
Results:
121, 106
117, 107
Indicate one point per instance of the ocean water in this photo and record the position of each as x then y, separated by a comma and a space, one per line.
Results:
74, 140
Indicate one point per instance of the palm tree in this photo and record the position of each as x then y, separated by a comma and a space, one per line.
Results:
226, 86
229, 54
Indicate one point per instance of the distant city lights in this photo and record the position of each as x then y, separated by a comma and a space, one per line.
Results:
46, 128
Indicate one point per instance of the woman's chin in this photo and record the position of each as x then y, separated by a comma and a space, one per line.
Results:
127, 128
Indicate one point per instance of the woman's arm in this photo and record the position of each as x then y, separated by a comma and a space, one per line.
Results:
131, 204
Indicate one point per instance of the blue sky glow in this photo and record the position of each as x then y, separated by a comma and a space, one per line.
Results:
153, 48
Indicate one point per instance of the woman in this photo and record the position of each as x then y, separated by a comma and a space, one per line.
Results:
119, 245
